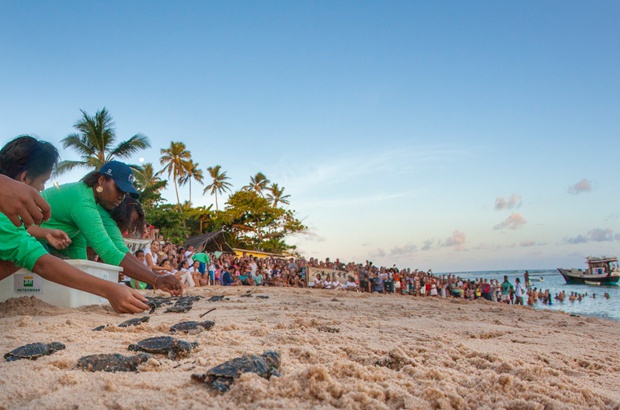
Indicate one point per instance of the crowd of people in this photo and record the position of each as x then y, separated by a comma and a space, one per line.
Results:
196, 269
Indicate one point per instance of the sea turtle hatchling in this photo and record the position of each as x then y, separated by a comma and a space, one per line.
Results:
33, 351
221, 377
178, 309
164, 345
135, 321
112, 362
192, 327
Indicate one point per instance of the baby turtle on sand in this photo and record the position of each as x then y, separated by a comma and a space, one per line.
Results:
33, 351
164, 345
221, 377
131, 322
112, 362
178, 309
135, 321
192, 327
215, 298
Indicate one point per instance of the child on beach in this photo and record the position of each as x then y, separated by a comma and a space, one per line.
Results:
31, 162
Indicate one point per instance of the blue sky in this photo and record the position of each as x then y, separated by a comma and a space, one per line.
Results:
447, 135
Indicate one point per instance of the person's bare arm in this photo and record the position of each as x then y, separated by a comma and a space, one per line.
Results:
22, 203
7, 269
55, 237
134, 268
122, 298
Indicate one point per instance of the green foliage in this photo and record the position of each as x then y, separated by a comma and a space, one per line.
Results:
169, 220
253, 223
219, 184
149, 185
177, 161
94, 143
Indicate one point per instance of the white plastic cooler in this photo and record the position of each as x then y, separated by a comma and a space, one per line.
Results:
25, 283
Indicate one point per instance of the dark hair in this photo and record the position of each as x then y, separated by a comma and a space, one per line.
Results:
92, 178
139, 251
122, 215
26, 153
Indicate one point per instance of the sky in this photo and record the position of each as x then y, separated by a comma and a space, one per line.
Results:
443, 135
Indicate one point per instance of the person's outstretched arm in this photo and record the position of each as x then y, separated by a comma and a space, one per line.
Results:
122, 298
134, 268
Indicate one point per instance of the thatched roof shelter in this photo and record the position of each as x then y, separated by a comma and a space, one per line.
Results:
210, 242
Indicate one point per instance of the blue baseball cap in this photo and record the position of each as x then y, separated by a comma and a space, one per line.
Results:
122, 176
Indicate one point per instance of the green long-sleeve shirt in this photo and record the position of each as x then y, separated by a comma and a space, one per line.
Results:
17, 246
75, 211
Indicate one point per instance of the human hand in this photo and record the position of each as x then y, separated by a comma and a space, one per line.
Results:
125, 299
170, 284
19, 200
57, 238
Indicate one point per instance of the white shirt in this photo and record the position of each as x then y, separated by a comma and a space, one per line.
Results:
147, 251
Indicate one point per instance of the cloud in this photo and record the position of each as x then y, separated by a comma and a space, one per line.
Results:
601, 235
312, 236
404, 250
579, 187
428, 245
594, 235
528, 243
338, 169
457, 240
380, 253
577, 239
514, 221
512, 202
355, 201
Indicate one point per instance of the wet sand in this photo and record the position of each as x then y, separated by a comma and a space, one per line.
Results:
339, 350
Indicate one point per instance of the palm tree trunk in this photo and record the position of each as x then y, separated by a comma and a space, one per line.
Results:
216, 208
176, 189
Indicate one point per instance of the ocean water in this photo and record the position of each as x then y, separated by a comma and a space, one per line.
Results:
597, 306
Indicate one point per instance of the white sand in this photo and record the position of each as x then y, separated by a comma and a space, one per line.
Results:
390, 352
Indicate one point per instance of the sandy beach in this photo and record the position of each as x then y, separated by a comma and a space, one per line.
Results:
339, 350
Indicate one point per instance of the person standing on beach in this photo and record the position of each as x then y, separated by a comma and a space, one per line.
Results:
518, 292
506, 290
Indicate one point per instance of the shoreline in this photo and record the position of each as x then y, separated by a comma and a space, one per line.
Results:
339, 350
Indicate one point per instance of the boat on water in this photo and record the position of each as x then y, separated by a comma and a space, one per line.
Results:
601, 271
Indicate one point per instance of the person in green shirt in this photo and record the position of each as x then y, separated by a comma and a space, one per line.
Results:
30, 161
506, 288
203, 258
81, 209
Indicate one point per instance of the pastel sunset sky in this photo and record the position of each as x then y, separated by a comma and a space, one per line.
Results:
449, 135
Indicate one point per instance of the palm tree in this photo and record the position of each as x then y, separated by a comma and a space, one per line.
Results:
276, 194
176, 161
257, 183
219, 184
95, 140
193, 172
148, 183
